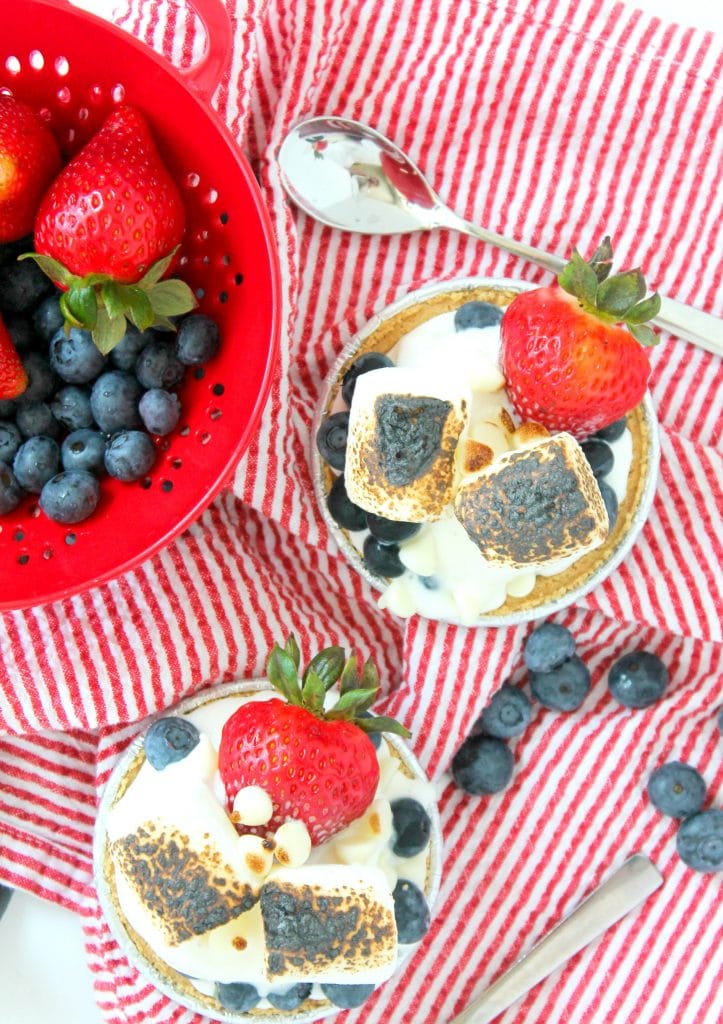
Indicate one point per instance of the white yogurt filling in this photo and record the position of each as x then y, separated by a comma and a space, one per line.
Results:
191, 795
447, 577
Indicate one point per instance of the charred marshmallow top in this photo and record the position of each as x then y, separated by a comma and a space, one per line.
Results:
222, 907
478, 455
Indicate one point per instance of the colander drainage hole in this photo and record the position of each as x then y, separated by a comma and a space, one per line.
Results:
62, 66
215, 414
184, 431
199, 373
166, 485
200, 293
19, 535
176, 463
223, 296
34, 511
48, 553
218, 389
70, 538
23, 559
204, 438
238, 279
146, 483
223, 218
37, 60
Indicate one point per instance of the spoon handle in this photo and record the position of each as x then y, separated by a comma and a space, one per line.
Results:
703, 329
626, 889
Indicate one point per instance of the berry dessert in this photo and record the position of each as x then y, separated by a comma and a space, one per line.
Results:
485, 450
270, 852
92, 350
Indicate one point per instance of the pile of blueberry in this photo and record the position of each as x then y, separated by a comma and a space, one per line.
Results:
601, 459
380, 552
559, 681
678, 790
84, 414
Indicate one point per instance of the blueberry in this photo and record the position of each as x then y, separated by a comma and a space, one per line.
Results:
291, 998
342, 510
563, 688
84, 449
700, 841
129, 455
599, 455
22, 286
160, 411
169, 740
375, 737
382, 559
9, 251
613, 430
5, 894
412, 827
347, 997
476, 314
10, 492
114, 402
547, 647
123, 356
21, 331
70, 497
388, 531
411, 911
611, 501
75, 357
48, 318
237, 996
7, 408
676, 789
365, 363
158, 366
35, 462
507, 714
197, 340
638, 679
33, 418
71, 407
10, 441
41, 379
483, 765
331, 439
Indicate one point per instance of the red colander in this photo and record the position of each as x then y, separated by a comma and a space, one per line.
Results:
74, 68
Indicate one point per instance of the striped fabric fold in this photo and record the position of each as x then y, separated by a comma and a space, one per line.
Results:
555, 122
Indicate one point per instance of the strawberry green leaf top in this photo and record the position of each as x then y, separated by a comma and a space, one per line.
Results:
574, 354
316, 764
109, 229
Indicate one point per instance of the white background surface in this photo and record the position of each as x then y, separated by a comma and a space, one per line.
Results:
43, 977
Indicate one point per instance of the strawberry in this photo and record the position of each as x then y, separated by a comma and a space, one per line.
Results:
13, 379
317, 766
29, 160
109, 228
569, 362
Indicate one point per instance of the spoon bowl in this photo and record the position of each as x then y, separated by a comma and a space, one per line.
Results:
349, 176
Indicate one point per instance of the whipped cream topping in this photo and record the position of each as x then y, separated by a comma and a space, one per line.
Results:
447, 577
187, 799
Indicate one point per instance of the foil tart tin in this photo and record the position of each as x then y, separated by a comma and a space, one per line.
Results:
646, 418
171, 983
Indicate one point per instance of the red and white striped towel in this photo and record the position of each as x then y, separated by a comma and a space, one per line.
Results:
553, 121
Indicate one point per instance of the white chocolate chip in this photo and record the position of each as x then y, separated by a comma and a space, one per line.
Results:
293, 844
257, 856
252, 806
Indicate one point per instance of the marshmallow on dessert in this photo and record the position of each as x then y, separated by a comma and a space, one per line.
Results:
534, 505
404, 427
332, 922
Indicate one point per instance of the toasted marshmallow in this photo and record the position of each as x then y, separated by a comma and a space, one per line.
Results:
179, 855
404, 427
330, 922
534, 505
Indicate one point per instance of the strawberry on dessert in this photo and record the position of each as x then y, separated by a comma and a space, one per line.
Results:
270, 850
573, 353
29, 159
13, 378
108, 230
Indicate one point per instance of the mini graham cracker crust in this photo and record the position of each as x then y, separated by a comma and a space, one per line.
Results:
548, 589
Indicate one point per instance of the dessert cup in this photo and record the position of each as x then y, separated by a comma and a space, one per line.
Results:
550, 593
179, 986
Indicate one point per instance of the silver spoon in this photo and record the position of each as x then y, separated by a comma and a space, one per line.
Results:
622, 892
348, 176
